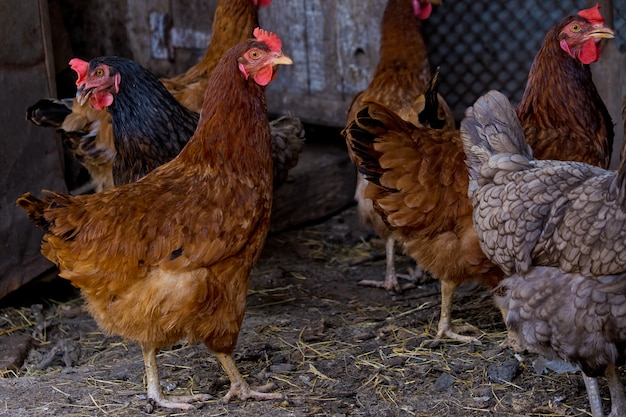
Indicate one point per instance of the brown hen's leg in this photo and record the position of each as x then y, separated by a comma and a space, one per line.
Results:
593, 392
238, 386
445, 328
391, 278
618, 399
154, 389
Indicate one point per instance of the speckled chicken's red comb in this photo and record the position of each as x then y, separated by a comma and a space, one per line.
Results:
592, 15
269, 38
81, 67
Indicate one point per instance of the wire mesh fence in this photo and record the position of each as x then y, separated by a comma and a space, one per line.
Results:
486, 44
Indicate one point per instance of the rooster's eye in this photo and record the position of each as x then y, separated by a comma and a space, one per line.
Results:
255, 54
99, 72
575, 27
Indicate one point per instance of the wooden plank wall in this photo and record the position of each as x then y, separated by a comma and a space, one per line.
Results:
334, 45
29, 157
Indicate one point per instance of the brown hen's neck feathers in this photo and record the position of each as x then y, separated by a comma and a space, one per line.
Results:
231, 102
233, 23
402, 46
560, 95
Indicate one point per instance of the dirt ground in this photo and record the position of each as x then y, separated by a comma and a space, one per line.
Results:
332, 347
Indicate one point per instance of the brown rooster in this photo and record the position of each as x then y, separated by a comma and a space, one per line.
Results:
558, 229
417, 176
168, 257
87, 132
399, 82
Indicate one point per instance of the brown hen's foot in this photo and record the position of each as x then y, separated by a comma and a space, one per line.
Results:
389, 285
446, 330
179, 402
155, 395
239, 387
391, 282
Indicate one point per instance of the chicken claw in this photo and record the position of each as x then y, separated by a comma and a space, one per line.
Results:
445, 328
238, 386
155, 395
391, 277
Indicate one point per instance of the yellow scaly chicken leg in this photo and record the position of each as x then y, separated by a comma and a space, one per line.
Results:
154, 388
445, 328
238, 386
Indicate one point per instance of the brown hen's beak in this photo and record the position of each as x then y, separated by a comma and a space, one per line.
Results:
283, 60
83, 93
602, 33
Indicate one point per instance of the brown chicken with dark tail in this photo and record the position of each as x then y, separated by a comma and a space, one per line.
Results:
417, 176
168, 257
399, 82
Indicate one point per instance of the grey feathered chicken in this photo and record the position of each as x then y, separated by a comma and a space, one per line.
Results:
540, 212
558, 229
572, 317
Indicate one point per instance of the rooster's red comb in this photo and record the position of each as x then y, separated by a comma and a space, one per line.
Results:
81, 67
269, 38
592, 15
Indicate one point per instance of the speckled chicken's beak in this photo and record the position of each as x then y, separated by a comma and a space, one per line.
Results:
82, 94
602, 33
283, 60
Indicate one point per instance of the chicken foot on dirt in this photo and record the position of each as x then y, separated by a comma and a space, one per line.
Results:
238, 386
155, 394
391, 282
445, 328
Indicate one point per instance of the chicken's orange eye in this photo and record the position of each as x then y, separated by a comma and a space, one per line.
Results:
99, 72
575, 27
255, 54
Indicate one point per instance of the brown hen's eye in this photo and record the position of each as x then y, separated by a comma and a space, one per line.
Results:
575, 27
255, 54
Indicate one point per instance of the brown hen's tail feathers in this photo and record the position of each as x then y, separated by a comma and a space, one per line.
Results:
372, 122
491, 127
34, 208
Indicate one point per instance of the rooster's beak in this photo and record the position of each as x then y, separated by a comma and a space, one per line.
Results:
82, 94
602, 33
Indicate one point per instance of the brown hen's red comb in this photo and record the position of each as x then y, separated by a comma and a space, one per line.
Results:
592, 15
269, 38
81, 67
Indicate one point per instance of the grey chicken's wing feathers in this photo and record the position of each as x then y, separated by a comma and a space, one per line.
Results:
490, 128
539, 212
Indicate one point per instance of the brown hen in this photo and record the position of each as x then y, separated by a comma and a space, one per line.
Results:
233, 22
168, 257
417, 176
399, 82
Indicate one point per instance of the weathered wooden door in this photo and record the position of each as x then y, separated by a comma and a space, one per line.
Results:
29, 156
